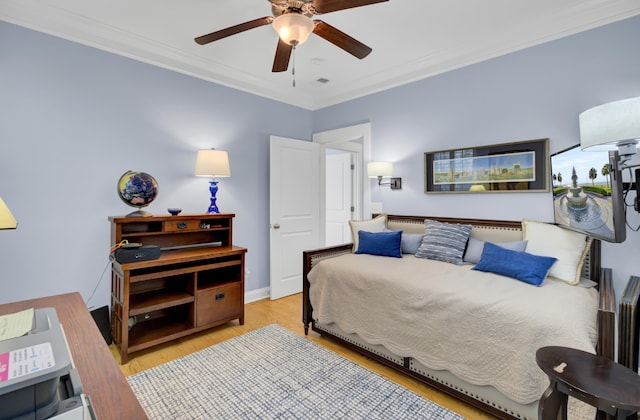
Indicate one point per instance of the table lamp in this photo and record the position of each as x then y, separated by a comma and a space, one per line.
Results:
7, 221
215, 164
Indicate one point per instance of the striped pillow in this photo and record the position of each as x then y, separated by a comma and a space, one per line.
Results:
444, 241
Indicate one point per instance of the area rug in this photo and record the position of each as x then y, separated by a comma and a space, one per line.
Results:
272, 373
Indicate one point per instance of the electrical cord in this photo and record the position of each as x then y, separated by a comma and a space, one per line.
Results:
118, 245
99, 281
111, 259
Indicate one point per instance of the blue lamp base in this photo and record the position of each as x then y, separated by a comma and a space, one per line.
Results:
213, 188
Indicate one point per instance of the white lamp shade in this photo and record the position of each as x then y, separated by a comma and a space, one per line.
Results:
377, 169
214, 163
606, 126
477, 187
7, 221
293, 28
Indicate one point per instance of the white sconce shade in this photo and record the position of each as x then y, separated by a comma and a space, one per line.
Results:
214, 163
293, 28
7, 221
615, 124
379, 169
383, 170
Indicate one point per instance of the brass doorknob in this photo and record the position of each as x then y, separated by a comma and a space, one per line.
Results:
276, 226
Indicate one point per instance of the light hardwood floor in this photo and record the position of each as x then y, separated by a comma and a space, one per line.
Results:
286, 312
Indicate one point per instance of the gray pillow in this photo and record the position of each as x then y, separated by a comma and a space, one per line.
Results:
475, 247
444, 241
411, 242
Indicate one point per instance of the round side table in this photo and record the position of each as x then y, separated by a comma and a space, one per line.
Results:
608, 386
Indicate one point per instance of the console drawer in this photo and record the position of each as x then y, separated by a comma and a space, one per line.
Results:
218, 303
181, 225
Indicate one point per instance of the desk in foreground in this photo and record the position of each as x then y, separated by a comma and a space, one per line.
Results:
102, 379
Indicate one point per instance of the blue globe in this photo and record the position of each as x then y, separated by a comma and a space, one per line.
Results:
137, 189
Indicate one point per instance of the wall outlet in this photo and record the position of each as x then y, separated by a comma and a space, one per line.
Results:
376, 207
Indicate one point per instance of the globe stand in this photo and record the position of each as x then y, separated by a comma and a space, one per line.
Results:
213, 188
139, 213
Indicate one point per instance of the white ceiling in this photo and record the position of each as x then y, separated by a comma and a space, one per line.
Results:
411, 39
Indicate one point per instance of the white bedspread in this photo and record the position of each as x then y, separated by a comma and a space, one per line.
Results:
482, 327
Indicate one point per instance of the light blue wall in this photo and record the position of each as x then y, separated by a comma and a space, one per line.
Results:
535, 93
73, 119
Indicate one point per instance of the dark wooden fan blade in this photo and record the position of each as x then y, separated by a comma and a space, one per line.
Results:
232, 30
327, 6
283, 54
341, 40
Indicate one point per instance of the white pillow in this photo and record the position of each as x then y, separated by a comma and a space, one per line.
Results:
570, 248
375, 225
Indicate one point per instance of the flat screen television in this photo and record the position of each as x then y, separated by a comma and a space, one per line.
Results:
588, 193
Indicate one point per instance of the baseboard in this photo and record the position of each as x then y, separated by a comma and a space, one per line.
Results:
254, 295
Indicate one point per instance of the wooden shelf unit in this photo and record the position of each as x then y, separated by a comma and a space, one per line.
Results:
197, 282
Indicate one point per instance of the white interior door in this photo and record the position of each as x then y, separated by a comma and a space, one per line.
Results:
339, 196
294, 211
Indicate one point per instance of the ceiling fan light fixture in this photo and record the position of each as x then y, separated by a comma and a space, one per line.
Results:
293, 28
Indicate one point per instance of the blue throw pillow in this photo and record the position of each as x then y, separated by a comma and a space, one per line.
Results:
386, 244
526, 267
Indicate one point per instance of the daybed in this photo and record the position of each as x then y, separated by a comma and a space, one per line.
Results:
472, 334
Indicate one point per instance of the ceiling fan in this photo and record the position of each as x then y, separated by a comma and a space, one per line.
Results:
292, 21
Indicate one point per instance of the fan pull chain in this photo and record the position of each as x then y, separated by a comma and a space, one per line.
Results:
293, 67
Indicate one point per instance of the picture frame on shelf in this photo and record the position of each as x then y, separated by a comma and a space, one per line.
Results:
508, 167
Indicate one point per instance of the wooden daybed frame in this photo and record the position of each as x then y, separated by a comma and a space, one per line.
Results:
592, 270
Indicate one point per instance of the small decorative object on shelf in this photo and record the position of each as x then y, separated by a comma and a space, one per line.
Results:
137, 189
174, 211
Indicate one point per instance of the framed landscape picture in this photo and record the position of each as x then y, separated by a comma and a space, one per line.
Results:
508, 167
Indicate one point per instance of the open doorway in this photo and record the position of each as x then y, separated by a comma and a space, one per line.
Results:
341, 203
343, 154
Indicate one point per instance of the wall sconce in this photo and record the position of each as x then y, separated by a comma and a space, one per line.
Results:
7, 221
383, 170
615, 124
213, 163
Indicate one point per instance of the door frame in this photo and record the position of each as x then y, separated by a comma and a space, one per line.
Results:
332, 139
